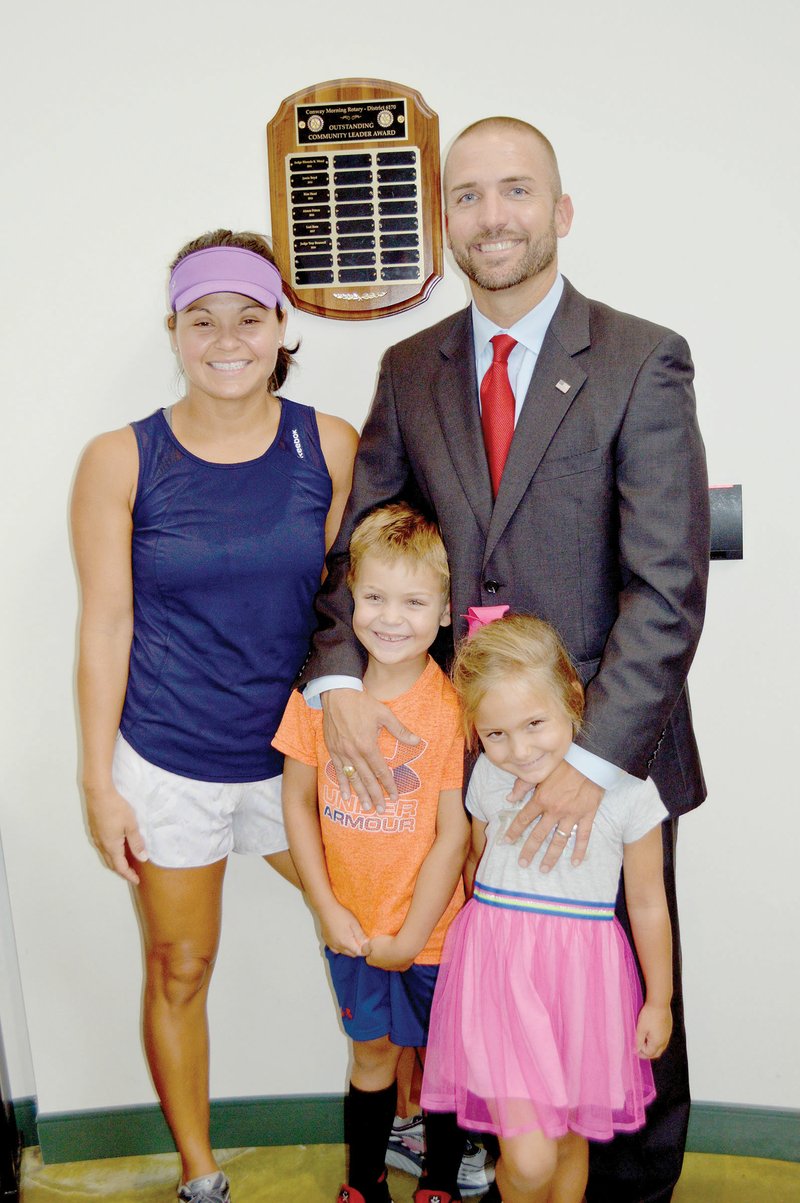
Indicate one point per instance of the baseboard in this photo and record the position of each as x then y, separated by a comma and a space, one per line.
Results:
741, 1131
235, 1123
25, 1119
317, 1119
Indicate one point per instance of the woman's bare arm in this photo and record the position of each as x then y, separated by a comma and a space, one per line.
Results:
102, 502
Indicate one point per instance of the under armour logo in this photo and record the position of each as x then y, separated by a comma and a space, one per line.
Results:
405, 778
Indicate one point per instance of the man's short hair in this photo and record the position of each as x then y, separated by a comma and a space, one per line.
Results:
522, 127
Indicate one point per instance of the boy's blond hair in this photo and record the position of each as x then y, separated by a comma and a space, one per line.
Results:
397, 532
516, 647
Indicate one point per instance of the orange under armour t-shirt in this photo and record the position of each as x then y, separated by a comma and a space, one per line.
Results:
373, 860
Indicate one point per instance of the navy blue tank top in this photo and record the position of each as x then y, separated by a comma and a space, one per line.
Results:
226, 561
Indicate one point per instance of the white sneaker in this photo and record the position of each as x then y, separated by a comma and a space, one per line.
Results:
213, 1188
476, 1172
406, 1148
406, 1151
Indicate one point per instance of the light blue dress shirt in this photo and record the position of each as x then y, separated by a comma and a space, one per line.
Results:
529, 332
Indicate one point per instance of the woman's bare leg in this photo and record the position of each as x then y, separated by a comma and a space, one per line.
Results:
180, 913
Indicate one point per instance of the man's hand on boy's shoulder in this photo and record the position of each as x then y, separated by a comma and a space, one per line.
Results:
351, 721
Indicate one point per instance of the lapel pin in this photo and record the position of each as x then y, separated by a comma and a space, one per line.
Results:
563, 387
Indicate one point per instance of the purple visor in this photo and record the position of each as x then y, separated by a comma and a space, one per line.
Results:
225, 269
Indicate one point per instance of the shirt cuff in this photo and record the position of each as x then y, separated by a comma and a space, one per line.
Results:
319, 685
601, 772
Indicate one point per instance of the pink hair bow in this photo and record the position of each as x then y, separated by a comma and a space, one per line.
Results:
481, 616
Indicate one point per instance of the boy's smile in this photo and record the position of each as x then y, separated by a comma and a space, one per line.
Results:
398, 608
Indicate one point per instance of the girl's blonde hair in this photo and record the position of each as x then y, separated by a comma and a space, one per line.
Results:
515, 647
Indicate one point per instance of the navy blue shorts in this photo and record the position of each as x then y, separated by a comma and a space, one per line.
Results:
383, 1002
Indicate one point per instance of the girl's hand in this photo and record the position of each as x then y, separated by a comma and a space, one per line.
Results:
112, 825
653, 1031
388, 952
341, 931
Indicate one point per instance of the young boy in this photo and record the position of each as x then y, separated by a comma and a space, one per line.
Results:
386, 886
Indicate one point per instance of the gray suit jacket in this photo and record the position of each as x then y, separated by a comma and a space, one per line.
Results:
600, 526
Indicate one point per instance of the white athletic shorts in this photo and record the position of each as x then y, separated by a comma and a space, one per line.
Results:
186, 824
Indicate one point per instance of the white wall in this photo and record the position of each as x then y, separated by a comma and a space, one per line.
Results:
135, 128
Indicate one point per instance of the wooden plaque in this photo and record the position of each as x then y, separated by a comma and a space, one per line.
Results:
355, 192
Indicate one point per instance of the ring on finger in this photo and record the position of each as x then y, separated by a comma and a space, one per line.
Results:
348, 770
564, 834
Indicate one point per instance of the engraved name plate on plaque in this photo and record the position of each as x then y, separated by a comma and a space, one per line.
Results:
356, 197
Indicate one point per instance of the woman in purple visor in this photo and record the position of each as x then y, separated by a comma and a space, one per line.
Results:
200, 534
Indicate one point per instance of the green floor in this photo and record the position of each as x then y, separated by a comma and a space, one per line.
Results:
312, 1174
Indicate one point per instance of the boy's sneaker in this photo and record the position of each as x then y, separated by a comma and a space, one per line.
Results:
433, 1196
406, 1148
213, 1188
406, 1151
476, 1172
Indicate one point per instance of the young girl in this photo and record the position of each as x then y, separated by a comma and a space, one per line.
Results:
534, 1032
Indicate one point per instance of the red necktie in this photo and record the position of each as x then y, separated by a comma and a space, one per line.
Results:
497, 408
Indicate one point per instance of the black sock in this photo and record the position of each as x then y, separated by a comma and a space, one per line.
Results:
368, 1117
444, 1148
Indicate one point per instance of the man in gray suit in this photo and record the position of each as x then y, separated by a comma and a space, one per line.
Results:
597, 520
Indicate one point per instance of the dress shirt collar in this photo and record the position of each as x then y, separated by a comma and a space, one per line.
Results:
529, 330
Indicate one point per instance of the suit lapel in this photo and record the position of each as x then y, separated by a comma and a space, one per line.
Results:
455, 394
546, 403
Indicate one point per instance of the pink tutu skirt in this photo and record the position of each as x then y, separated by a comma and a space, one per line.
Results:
533, 1026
